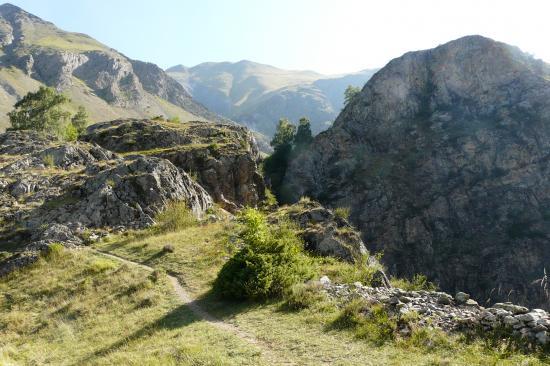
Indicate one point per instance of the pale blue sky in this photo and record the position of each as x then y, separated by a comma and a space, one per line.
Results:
329, 36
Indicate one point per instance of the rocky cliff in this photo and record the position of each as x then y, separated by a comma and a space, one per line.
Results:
443, 159
223, 158
107, 83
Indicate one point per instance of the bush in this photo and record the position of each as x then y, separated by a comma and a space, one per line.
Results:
174, 120
101, 265
418, 282
54, 251
175, 216
48, 161
270, 262
342, 212
372, 323
304, 295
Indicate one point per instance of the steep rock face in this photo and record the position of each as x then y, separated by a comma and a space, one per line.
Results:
444, 159
222, 157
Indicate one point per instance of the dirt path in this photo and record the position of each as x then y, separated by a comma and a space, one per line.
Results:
268, 354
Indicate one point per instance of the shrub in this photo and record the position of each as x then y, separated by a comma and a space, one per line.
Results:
48, 160
270, 262
304, 295
175, 216
101, 265
70, 133
175, 119
372, 323
54, 251
418, 282
342, 212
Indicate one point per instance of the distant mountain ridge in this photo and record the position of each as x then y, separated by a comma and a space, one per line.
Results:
258, 95
35, 52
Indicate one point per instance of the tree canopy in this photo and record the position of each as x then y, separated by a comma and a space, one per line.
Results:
46, 110
350, 93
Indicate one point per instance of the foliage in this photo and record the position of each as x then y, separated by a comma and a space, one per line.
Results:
418, 282
175, 216
54, 252
286, 142
303, 135
350, 93
40, 111
370, 322
46, 111
270, 262
342, 212
284, 136
304, 296
158, 118
101, 265
70, 133
175, 119
48, 160
80, 120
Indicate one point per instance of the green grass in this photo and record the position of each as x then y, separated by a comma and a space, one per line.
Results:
79, 308
303, 332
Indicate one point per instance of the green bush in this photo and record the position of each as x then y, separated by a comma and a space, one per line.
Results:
370, 322
342, 212
270, 262
418, 282
48, 161
175, 216
54, 251
101, 265
305, 295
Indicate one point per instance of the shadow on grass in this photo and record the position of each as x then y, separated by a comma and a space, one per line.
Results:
180, 317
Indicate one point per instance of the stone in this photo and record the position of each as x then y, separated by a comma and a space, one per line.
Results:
510, 320
445, 299
461, 297
324, 280
542, 337
471, 302
222, 157
514, 309
168, 248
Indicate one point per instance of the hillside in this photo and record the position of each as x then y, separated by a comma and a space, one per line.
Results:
258, 95
443, 161
107, 83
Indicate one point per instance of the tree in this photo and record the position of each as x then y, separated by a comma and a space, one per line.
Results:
276, 164
80, 120
40, 111
350, 93
284, 135
303, 134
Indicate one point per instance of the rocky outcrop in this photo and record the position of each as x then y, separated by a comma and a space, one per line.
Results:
441, 310
323, 232
223, 158
443, 159
81, 185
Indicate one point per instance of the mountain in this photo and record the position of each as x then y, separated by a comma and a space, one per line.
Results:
35, 52
258, 95
443, 160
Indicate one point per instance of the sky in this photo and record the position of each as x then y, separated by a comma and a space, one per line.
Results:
327, 36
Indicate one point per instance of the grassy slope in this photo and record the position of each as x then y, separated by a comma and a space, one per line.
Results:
304, 337
85, 309
80, 94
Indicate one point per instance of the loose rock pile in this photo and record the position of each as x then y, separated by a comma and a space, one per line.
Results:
443, 311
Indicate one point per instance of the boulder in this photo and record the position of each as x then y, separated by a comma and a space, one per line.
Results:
223, 158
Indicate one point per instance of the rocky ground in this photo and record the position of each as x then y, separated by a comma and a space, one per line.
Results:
451, 314
222, 158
